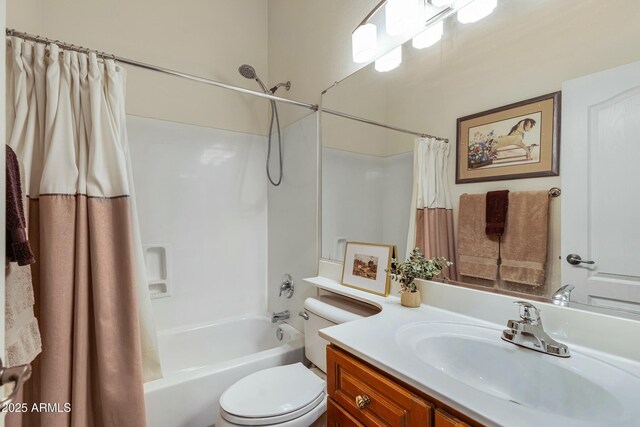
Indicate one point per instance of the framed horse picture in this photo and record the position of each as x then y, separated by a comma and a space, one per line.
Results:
516, 141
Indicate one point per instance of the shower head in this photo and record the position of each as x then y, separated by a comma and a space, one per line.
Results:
247, 71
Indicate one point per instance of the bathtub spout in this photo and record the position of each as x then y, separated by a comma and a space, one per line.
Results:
282, 315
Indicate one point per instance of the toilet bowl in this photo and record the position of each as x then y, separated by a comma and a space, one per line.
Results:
290, 395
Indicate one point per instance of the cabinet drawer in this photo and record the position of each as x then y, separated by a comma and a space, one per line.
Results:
338, 417
382, 402
444, 419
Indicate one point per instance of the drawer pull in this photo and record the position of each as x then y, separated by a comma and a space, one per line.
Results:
362, 401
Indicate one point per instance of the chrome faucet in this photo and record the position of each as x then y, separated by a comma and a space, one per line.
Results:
530, 334
562, 296
282, 315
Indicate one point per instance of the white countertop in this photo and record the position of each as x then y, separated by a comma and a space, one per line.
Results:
373, 339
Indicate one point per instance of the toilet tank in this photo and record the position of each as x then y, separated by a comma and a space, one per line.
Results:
325, 311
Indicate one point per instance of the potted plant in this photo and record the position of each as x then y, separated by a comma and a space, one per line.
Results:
415, 267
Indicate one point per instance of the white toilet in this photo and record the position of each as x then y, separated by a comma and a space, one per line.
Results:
291, 395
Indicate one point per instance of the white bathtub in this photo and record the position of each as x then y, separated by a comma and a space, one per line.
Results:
200, 363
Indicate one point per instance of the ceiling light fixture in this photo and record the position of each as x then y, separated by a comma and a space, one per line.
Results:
441, 3
408, 18
430, 36
364, 43
390, 60
476, 10
403, 16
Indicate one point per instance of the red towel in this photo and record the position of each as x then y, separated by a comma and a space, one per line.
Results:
17, 247
496, 214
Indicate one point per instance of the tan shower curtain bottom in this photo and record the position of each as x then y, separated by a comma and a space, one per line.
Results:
434, 235
85, 291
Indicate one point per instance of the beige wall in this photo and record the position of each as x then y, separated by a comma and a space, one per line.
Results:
310, 44
208, 38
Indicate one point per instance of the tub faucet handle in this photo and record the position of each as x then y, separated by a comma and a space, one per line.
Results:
286, 286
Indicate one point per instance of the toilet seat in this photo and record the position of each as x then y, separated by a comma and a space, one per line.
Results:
273, 396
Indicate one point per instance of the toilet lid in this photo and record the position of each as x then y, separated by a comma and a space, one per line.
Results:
273, 392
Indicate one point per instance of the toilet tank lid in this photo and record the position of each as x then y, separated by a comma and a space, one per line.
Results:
338, 309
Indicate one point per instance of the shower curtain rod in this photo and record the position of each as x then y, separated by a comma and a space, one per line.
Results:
312, 107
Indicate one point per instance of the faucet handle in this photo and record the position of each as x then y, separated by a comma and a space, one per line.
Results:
529, 312
286, 286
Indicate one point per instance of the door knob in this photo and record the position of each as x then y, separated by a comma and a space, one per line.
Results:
575, 259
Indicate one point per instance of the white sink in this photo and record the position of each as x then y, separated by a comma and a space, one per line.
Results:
581, 387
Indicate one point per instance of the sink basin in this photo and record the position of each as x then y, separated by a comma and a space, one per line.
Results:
580, 387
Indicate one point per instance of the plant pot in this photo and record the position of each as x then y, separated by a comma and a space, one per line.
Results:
410, 299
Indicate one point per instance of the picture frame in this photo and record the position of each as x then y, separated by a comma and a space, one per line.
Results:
515, 141
366, 267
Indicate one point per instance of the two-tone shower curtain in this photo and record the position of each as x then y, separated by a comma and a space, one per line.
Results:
66, 123
431, 215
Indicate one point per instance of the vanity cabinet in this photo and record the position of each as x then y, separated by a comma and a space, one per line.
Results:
444, 419
361, 395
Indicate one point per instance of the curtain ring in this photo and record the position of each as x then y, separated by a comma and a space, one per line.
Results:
37, 40
113, 56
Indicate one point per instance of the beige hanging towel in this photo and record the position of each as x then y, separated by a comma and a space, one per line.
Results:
524, 244
22, 335
477, 252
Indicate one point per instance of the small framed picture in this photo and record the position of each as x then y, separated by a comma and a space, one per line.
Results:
519, 140
365, 267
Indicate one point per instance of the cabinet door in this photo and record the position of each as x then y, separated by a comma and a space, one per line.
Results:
338, 417
372, 399
443, 419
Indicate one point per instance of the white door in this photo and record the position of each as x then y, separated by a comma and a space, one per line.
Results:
600, 172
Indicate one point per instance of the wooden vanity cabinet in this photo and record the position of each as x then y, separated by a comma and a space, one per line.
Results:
361, 395
444, 419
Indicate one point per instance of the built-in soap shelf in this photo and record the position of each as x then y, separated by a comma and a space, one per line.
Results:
156, 259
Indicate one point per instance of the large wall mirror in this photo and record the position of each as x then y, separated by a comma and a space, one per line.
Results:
523, 50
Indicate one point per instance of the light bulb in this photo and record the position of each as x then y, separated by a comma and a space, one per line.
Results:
441, 3
476, 10
364, 43
390, 60
430, 36
403, 16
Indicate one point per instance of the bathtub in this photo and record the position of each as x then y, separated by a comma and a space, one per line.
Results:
200, 363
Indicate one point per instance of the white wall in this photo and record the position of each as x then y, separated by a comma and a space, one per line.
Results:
293, 208
365, 199
208, 38
203, 191
397, 182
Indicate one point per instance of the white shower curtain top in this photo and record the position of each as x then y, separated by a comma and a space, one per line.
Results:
69, 124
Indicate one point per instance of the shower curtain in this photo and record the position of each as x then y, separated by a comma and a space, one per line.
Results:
431, 214
66, 123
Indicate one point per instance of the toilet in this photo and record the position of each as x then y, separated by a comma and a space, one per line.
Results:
291, 395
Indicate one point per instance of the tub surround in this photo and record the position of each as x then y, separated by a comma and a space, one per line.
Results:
192, 182
375, 340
